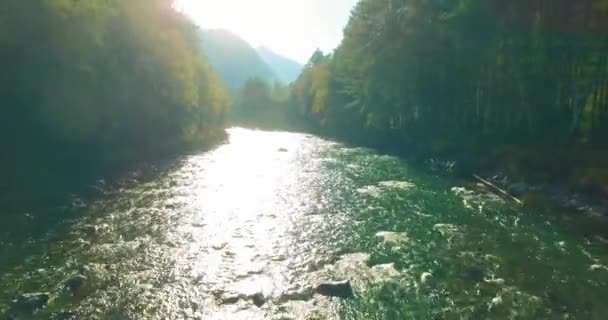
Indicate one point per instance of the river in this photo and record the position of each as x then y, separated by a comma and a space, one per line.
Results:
250, 229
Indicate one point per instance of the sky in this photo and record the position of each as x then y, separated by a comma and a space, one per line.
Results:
292, 28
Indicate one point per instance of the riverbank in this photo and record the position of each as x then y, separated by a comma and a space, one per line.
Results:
550, 177
45, 177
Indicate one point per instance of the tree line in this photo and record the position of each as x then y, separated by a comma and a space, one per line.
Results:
437, 76
99, 83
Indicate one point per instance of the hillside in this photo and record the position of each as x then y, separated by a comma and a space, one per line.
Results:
287, 70
233, 59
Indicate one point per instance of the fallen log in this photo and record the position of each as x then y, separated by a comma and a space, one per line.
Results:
498, 189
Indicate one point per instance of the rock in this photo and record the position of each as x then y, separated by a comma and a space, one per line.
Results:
75, 283
30, 302
425, 277
303, 294
392, 237
231, 299
493, 280
339, 289
496, 301
283, 150
598, 267
258, 299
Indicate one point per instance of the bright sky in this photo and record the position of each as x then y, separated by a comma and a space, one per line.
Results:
293, 28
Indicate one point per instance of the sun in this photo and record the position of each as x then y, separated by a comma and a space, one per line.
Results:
273, 23
251, 19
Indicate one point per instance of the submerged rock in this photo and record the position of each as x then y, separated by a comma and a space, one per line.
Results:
392, 237
75, 284
30, 302
339, 289
404, 185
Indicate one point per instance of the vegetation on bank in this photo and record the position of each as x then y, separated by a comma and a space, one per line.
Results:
259, 104
88, 85
520, 83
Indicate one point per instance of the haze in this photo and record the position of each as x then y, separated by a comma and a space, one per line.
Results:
292, 28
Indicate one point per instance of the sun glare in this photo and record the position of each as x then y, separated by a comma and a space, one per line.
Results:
292, 28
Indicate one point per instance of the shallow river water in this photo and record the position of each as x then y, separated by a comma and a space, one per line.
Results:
250, 229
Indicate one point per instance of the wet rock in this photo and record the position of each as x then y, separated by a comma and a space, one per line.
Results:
496, 301
494, 280
298, 295
392, 237
75, 284
231, 299
339, 289
425, 277
30, 302
258, 299
596, 267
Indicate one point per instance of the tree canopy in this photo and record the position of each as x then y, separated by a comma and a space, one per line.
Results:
101, 81
465, 73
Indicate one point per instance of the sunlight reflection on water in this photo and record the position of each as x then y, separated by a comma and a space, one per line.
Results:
245, 231
244, 201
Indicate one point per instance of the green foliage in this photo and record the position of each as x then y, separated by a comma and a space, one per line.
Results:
101, 81
471, 73
259, 104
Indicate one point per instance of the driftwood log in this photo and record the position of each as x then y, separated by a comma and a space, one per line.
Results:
497, 189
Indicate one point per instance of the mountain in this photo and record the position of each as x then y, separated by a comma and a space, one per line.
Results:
233, 59
287, 70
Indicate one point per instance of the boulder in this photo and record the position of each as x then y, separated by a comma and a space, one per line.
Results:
339, 289
258, 299
75, 283
283, 150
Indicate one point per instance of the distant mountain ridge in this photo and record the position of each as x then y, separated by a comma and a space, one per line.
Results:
233, 59
287, 70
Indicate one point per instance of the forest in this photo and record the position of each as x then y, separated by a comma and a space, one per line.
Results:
523, 83
92, 85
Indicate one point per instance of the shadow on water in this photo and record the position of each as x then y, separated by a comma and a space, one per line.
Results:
28, 219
